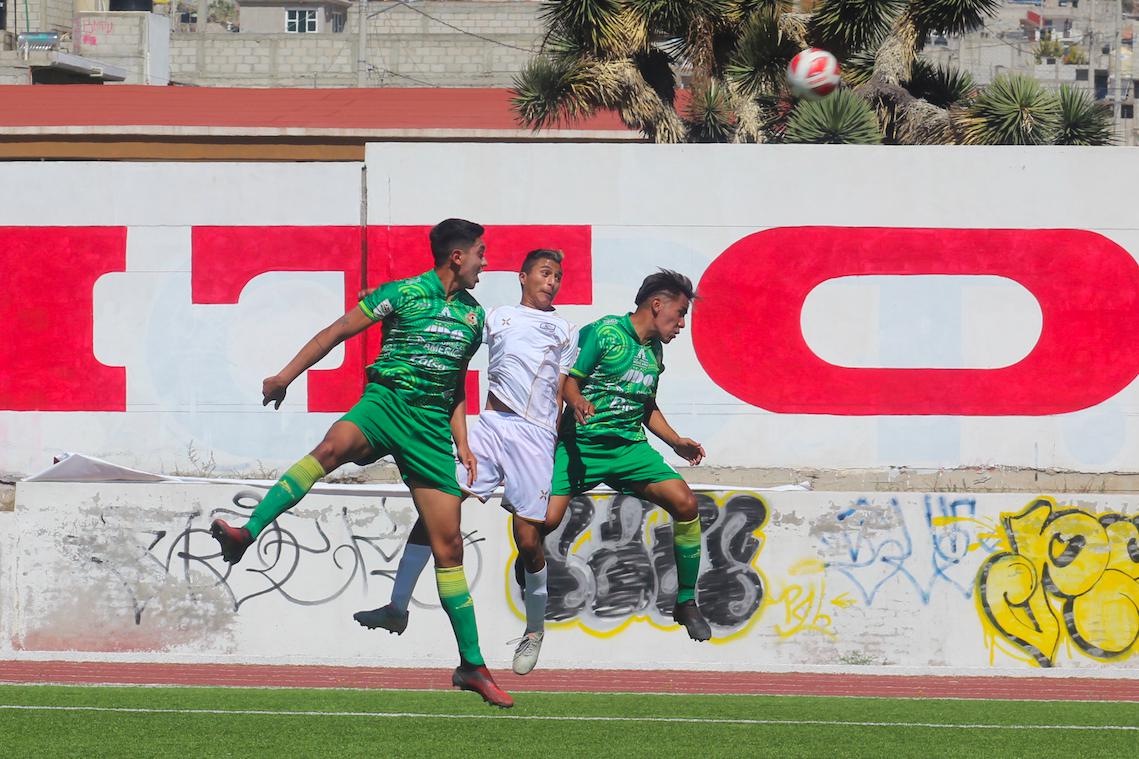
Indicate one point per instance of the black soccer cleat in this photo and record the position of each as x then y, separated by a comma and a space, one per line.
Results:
388, 617
688, 614
233, 540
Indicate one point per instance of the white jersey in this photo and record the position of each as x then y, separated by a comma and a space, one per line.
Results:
529, 351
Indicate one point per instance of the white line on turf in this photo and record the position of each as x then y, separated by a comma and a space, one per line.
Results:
562, 718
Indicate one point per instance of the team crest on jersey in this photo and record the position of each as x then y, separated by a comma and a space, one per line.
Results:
472, 319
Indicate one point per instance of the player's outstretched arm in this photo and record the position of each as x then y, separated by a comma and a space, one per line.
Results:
352, 323
459, 429
686, 448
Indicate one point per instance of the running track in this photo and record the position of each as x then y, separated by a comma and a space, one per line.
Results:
594, 681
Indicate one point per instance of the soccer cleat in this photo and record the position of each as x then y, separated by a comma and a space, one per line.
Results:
233, 540
526, 654
478, 679
388, 617
689, 615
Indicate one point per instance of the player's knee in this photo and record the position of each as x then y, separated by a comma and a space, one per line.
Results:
530, 546
687, 509
327, 453
448, 551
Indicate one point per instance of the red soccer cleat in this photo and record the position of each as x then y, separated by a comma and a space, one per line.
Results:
233, 540
478, 679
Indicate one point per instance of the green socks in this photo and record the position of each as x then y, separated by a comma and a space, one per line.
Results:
456, 600
289, 490
686, 549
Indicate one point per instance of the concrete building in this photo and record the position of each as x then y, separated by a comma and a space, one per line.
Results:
284, 16
309, 43
1094, 40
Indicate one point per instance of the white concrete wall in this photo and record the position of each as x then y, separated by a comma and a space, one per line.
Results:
189, 367
931, 583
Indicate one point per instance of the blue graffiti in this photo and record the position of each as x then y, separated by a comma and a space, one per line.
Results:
877, 544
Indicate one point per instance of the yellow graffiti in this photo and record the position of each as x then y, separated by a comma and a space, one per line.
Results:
803, 603
1065, 576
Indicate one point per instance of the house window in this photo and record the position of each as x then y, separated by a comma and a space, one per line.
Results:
338, 21
300, 21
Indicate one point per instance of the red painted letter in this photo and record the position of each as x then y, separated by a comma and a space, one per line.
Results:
748, 336
48, 316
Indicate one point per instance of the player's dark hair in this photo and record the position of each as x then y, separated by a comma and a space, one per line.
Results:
450, 234
665, 282
533, 257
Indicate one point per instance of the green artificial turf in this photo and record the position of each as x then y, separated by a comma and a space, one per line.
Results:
351, 724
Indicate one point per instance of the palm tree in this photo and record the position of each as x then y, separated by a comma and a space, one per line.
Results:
713, 70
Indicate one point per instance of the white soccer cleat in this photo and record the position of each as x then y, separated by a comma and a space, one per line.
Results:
526, 654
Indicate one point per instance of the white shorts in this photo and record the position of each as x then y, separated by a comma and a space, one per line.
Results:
509, 448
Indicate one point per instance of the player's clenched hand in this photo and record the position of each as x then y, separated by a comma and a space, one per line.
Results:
582, 410
467, 459
273, 391
689, 450
364, 293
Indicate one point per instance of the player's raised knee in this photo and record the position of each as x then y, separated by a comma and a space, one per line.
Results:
687, 508
448, 550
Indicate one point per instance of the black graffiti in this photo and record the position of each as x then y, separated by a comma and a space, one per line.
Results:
622, 569
275, 561
569, 579
622, 576
731, 591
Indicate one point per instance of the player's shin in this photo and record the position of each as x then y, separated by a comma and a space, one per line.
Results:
456, 599
686, 549
288, 491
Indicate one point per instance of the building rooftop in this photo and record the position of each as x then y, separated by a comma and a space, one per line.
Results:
377, 113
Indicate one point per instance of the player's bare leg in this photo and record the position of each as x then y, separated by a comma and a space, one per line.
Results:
675, 497
555, 512
344, 442
439, 513
528, 538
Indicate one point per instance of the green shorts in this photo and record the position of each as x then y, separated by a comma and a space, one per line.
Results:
418, 440
580, 465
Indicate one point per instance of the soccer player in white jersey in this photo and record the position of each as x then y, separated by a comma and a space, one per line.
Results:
531, 351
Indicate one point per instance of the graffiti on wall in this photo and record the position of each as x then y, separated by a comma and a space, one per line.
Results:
1065, 574
804, 603
875, 545
611, 563
288, 555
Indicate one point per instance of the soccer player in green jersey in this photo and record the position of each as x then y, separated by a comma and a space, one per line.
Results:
412, 406
611, 392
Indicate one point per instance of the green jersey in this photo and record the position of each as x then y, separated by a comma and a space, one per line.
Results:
618, 375
427, 339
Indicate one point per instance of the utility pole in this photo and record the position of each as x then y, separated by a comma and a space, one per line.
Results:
1119, 86
362, 45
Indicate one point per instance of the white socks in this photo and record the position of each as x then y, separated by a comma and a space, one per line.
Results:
536, 594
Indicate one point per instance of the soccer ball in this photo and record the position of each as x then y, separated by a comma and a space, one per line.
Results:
813, 73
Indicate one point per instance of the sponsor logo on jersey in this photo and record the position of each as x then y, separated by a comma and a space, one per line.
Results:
382, 310
440, 329
638, 378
